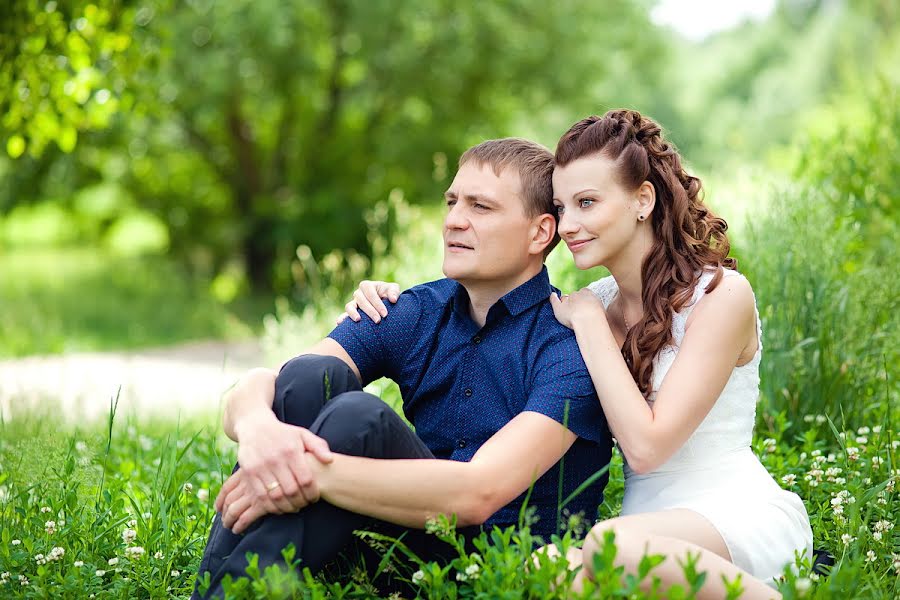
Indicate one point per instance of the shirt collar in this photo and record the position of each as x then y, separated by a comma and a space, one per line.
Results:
516, 301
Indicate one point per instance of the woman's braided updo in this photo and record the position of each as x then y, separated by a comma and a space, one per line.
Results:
687, 237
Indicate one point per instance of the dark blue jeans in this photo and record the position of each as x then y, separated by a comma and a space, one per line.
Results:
323, 395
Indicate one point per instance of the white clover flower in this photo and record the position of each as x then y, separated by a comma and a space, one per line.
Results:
113, 561
134, 552
838, 510
852, 453
847, 538
56, 553
837, 500
870, 556
770, 445
61, 523
876, 429
876, 461
802, 456
129, 535
4, 576
895, 560
864, 431
808, 418
418, 576
820, 419
16, 542
132, 523
158, 555
883, 525
175, 573
460, 576
23, 580
882, 501
78, 563
146, 515
472, 571
203, 494
99, 572
39, 559
50, 527
803, 585
840, 480
81, 446
816, 453
862, 440
833, 471
789, 479
876, 536
46, 509
188, 488
814, 576
867, 481
831, 457
819, 459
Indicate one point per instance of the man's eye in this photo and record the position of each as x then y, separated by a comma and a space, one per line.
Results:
585, 202
480, 206
451, 203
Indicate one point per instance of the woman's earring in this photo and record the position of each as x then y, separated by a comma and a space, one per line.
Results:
641, 217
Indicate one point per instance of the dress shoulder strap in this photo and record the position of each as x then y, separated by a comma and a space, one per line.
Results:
679, 320
605, 289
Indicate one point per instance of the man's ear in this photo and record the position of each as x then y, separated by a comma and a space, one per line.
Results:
543, 232
646, 199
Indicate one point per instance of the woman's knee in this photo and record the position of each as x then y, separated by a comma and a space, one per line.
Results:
630, 541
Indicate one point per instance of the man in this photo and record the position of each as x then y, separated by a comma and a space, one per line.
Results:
494, 385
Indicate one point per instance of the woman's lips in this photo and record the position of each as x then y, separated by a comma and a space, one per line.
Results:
577, 245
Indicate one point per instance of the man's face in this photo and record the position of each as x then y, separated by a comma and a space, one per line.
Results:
486, 232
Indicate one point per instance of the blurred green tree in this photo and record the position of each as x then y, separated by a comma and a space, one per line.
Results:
258, 125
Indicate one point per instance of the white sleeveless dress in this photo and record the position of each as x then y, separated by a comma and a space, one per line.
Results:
716, 473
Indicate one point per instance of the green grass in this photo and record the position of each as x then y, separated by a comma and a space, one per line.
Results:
158, 480
60, 300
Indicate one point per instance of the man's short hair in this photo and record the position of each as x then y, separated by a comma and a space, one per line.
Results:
534, 164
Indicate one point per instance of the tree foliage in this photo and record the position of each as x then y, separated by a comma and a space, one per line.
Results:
258, 125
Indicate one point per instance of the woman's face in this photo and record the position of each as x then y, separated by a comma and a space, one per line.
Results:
598, 217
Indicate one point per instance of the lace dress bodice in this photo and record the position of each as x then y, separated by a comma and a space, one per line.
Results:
729, 425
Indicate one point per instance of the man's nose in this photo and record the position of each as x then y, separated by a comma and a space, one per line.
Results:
456, 218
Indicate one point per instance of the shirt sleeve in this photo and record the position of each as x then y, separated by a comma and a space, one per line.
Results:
562, 389
378, 349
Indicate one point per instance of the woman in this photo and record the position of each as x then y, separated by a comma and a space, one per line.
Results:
672, 340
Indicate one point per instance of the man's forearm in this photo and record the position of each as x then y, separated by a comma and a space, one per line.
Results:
250, 398
408, 492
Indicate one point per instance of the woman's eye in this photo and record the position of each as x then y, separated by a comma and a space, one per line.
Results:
585, 202
559, 209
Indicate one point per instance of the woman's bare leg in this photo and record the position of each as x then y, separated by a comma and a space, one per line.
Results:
674, 534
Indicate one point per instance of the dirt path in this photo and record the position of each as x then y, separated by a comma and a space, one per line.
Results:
188, 379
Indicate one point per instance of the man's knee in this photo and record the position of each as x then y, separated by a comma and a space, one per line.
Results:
306, 383
351, 418
310, 367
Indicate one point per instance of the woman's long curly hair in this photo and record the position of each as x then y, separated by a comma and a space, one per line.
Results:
687, 237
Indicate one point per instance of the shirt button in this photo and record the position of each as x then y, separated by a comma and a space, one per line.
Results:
468, 393
477, 339
461, 443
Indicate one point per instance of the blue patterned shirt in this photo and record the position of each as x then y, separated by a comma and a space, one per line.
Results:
461, 384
